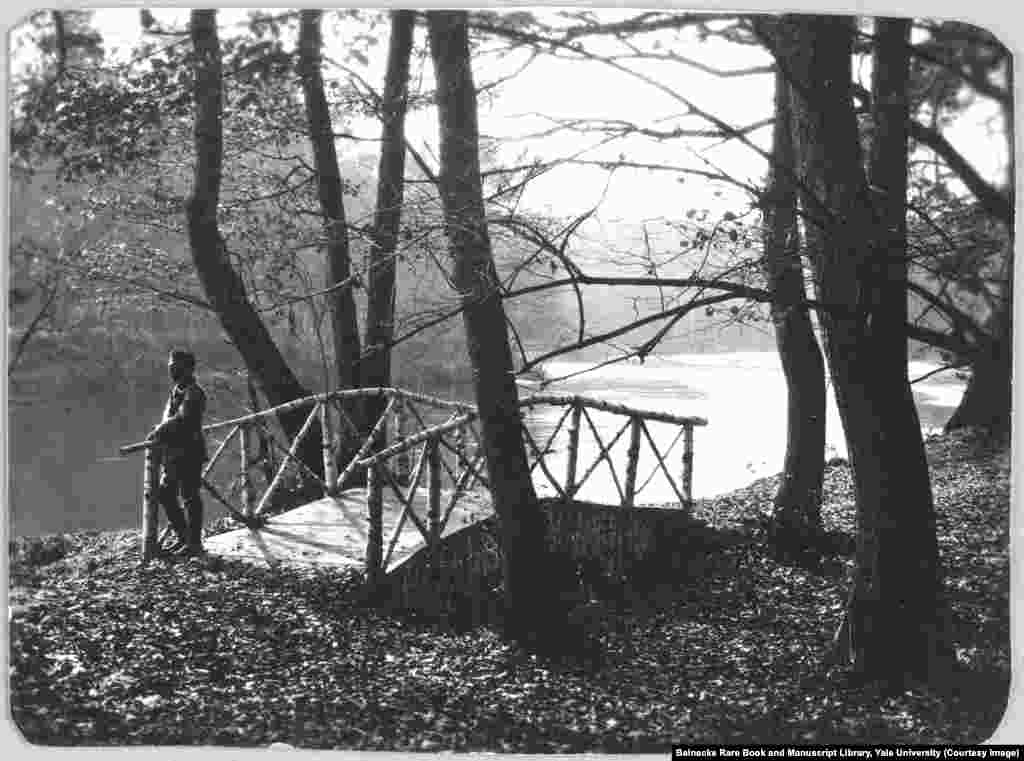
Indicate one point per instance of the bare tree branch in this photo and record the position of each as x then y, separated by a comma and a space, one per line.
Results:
44, 312
749, 71
646, 23
996, 202
621, 128
961, 323
678, 311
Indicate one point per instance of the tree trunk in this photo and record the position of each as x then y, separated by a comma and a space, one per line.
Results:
894, 626
380, 305
331, 192
330, 189
533, 612
797, 510
60, 43
222, 285
1009, 128
987, 400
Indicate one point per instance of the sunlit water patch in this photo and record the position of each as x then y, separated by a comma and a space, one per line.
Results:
741, 394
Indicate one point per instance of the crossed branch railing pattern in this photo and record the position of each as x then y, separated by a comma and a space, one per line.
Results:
416, 439
578, 410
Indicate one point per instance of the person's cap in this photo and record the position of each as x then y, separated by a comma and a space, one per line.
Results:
183, 358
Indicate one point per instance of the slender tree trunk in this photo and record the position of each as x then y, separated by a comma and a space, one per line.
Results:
330, 189
533, 612
380, 305
797, 509
894, 625
1009, 131
60, 43
222, 285
331, 192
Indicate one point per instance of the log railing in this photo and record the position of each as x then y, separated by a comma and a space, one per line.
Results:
419, 442
338, 433
628, 480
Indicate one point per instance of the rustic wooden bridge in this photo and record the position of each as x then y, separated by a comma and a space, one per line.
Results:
425, 474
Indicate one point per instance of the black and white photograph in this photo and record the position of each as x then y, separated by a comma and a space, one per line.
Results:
510, 379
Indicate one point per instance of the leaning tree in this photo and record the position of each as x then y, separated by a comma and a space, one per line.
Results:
535, 615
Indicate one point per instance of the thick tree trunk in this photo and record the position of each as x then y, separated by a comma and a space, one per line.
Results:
797, 509
380, 304
222, 285
533, 614
331, 192
894, 625
987, 400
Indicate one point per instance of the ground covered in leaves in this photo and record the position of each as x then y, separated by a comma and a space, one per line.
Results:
202, 651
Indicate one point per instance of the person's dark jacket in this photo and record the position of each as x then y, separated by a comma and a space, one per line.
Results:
181, 431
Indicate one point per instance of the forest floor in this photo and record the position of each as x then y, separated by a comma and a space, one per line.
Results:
215, 652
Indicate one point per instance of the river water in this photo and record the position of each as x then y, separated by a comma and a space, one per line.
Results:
741, 394
65, 474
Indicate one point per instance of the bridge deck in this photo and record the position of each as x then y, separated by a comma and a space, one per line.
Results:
333, 531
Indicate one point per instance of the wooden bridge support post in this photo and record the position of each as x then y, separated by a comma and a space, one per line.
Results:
330, 464
688, 466
632, 461
403, 461
150, 502
434, 498
375, 528
245, 482
573, 452
460, 448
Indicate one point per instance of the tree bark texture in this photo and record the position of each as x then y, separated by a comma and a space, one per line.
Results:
894, 627
988, 397
331, 192
531, 606
223, 285
375, 369
797, 508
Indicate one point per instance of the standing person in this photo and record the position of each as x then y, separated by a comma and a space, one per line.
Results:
181, 434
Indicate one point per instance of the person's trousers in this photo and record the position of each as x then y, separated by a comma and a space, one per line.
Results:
181, 480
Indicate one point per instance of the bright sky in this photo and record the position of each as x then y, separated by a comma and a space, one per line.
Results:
563, 90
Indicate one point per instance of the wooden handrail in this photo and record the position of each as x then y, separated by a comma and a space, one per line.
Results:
461, 417
272, 411
410, 441
618, 409
463, 407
